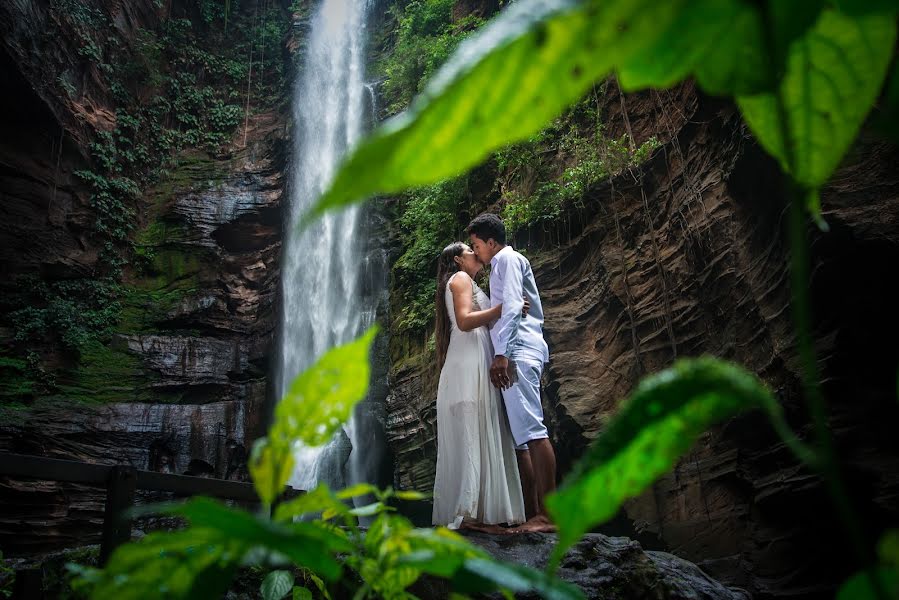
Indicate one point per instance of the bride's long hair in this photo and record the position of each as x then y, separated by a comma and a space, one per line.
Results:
446, 267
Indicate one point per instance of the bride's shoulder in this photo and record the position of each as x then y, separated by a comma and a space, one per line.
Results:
459, 281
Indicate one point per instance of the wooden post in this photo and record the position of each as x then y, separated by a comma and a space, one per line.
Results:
119, 498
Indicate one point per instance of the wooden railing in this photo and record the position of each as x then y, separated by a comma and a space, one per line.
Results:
121, 483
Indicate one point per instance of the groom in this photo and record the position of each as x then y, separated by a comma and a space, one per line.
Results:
520, 353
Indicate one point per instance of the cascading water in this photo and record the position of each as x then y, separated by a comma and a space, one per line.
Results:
326, 291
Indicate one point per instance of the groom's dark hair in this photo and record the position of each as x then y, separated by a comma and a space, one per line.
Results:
488, 226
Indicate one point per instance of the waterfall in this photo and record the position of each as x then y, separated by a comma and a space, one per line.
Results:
326, 272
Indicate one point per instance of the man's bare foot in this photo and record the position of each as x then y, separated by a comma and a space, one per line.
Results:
538, 524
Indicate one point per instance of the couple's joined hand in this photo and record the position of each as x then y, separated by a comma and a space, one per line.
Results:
501, 373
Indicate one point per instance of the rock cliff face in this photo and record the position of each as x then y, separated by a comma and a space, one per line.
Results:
683, 257
180, 385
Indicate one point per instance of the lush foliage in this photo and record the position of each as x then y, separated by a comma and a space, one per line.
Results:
176, 88
554, 170
426, 35
430, 218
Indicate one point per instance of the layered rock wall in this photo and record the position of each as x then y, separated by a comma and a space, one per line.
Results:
180, 385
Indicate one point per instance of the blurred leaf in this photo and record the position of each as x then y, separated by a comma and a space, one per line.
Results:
410, 495
322, 398
301, 593
439, 552
860, 586
854, 7
319, 401
277, 584
723, 43
360, 489
888, 548
370, 510
503, 84
164, 565
652, 429
834, 74
481, 575
303, 543
270, 466
744, 61
319, 500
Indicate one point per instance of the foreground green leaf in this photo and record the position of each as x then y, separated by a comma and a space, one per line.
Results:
319, 401
322, 398
834, 73
502, 84
480, 575
195, 563
319, 500
721, 42
652, 429
862, 585
303, 543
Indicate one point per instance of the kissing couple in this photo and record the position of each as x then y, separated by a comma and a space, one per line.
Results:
495, 463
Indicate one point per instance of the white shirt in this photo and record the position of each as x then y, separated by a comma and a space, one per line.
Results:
514, 336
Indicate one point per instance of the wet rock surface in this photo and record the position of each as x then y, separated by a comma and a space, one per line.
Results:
604, 568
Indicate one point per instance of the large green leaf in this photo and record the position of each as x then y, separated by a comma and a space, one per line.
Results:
539, 56
319, 401
834, 73
303, 543
482, 575
322, 398
319, 500
724, 43
652, 429
862, 585
181, 564
751, 51
502, 84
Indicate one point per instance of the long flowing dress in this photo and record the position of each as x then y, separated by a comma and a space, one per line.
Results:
477, 472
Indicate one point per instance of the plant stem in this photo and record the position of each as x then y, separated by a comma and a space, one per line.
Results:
800, 279
827, 463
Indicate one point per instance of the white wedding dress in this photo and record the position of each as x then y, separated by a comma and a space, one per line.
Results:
477, 472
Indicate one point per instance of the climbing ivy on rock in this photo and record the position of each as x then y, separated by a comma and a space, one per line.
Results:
181, 86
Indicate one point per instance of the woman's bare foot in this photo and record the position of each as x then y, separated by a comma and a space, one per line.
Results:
485, 528
538, 524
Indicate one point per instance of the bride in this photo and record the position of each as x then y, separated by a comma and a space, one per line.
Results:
477, 482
